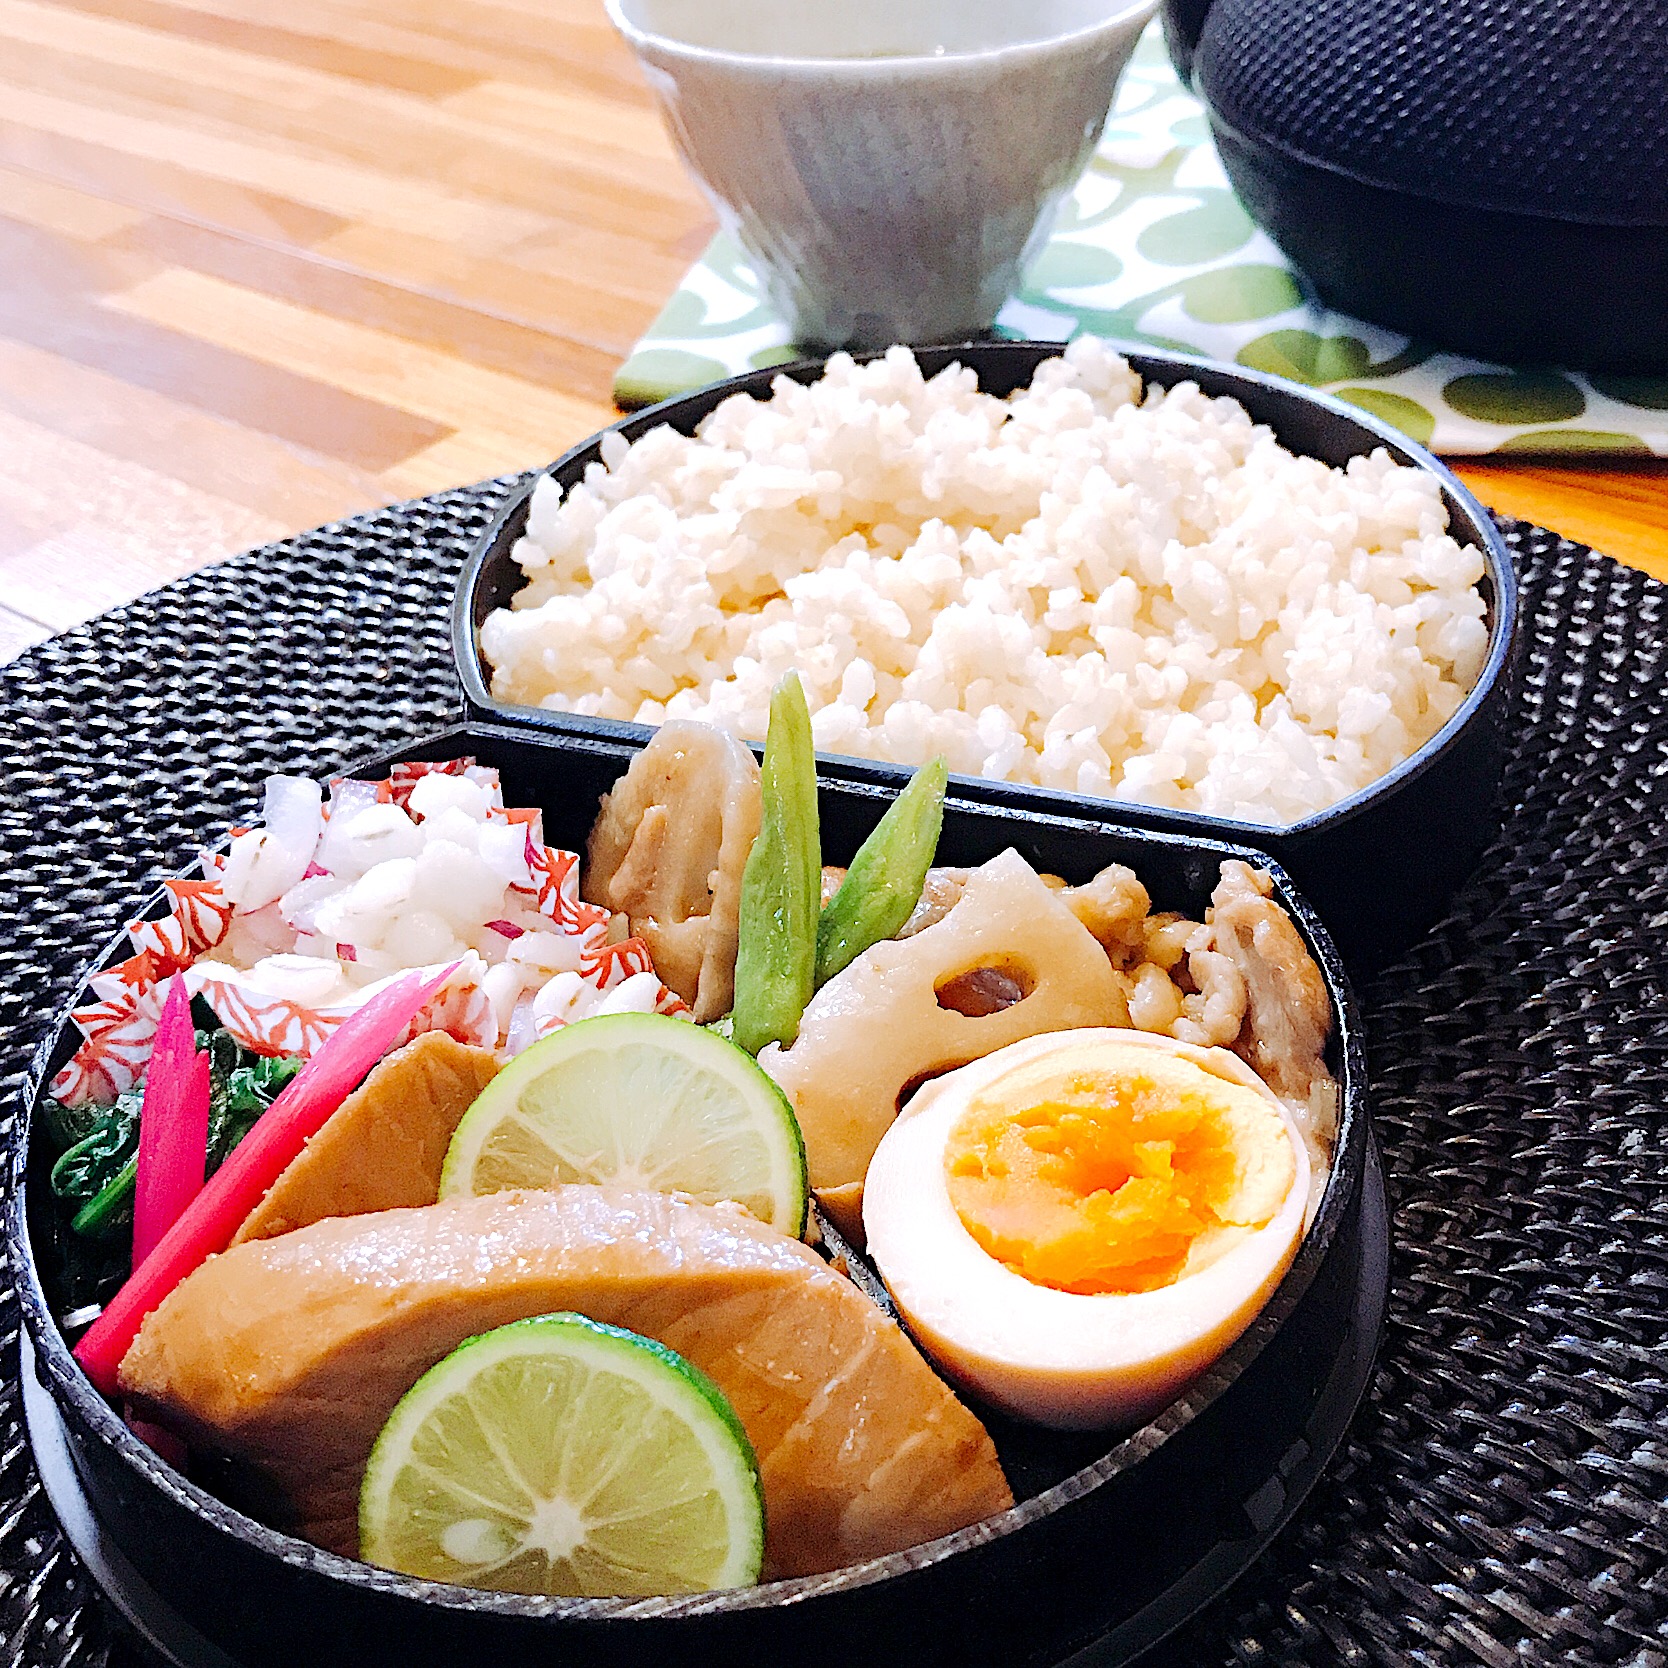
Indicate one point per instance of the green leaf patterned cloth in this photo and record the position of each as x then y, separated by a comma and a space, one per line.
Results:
1153, 247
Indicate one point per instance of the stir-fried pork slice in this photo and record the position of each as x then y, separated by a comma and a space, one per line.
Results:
1113, 906
1288, 1012
1213, 1015
289, 1354
668, 849
939, 895
384, 1146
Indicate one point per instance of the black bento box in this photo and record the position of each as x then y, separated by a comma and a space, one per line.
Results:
1113, 1542
1379, 866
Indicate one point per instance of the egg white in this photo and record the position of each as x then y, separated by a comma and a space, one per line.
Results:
1064, 1359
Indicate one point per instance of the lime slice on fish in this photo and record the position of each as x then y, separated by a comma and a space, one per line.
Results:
559, 1456
641, 1100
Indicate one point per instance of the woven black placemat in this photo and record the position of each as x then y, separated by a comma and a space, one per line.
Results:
1503, 1496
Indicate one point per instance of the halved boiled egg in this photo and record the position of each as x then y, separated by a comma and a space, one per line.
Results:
1079, 1224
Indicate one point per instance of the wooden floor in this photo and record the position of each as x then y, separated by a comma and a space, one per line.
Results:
264, 265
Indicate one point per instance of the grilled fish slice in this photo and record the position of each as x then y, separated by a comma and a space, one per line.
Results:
287, 1355
384, 1146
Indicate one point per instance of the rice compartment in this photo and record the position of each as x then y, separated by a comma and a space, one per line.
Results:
1141, 598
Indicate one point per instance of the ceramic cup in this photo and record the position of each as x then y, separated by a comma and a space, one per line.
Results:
887, 165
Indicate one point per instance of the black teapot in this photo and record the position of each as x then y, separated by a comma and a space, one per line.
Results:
1488, 175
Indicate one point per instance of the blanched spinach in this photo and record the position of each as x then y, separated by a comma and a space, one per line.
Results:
93, 1177
240, 1095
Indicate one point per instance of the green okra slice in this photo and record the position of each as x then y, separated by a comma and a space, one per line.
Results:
883, 884
781, 887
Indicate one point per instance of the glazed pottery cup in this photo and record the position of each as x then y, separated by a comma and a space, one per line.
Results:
887, 165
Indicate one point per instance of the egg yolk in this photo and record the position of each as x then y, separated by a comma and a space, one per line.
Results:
1116, 1174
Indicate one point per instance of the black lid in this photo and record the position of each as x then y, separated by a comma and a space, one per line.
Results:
1554, 108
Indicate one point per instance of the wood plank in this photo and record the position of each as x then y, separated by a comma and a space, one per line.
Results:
287, 483
45, 264
550, 112
608, 312
646, 272
209, 77
472, 455
211, 47
32, 201
352, 190
96, 558
474, 35
17, 633
422, 380
260, 38
543, 355
139, 76
1623, 512
70, 55
86, 570
50, 301
26, 521
527, 39
138, 182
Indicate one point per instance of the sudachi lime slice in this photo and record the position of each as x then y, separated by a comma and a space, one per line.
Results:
559, 1456
639, 1099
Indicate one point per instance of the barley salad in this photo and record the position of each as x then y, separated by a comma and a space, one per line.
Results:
1135, 595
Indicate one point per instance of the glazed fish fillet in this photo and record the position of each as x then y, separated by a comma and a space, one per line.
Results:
287, 1355
384, 1146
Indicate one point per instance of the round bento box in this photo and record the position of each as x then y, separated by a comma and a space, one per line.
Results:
1114, 1538
1379, 866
